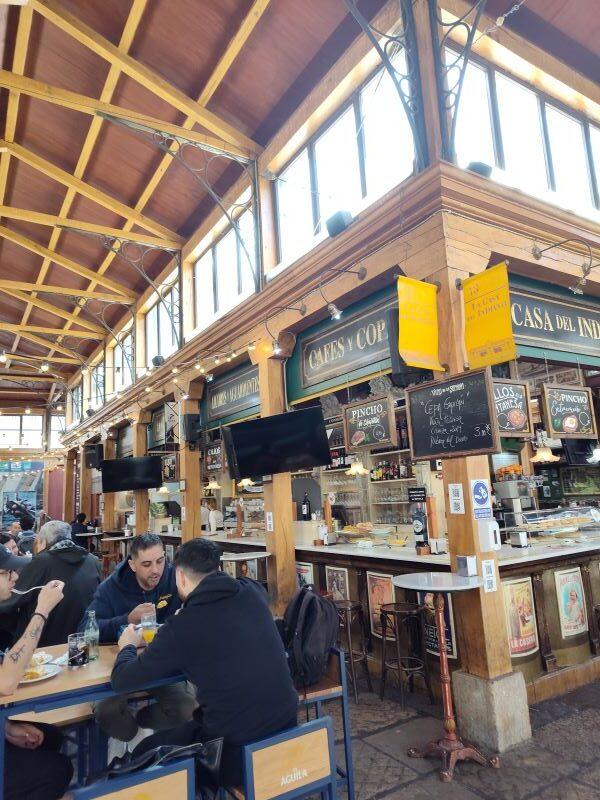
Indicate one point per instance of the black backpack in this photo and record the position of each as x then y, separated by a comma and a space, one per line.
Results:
310, 630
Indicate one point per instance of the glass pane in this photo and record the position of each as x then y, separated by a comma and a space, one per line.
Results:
521, 135
569, 159
168, 321
338, 177
595, 139
294, 206
227, 272
57, 427
151, 335
204, 291
246, 226
9, 438
31, 438
32, 423
389, 149
10, 423
474, 137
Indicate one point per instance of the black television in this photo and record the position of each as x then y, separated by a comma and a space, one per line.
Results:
123, 474
577, 451
281, 443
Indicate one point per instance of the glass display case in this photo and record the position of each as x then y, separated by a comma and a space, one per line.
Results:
554, 521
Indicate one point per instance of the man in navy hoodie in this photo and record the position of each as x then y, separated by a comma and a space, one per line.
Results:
144, 583
224, 640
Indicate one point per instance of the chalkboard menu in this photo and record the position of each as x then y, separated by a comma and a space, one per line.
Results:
511, 403
213, 457
370, 423
569, 412
453, 417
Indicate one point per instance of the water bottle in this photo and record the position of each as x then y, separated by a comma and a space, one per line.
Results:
92, 635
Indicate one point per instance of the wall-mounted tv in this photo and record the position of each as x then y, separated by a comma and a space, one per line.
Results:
281, 443
123, 474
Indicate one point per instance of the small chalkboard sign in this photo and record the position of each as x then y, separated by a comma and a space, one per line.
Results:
213, 457
370, 423
512, 405
453, 417
417, 494
569, 412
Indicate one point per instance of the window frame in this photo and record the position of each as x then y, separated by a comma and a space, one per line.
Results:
97, 399
159, 306
18, 429
129, 334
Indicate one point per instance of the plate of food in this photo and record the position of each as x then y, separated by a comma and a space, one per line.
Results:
42, 672
40, 658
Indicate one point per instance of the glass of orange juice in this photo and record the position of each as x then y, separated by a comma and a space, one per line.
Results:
148, 623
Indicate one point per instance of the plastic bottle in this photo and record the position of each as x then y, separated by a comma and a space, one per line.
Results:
92, 635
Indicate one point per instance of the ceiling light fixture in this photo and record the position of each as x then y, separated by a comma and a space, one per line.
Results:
3, 357
544, 456
212, 484
175, 370
209, 377
28, 410
44, 366
198, 366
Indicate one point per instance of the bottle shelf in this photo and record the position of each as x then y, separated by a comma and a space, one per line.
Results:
393, 480
390, 503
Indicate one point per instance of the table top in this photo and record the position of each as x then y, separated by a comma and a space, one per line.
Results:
117, 538
251, 556
96, 673
436, 582
89, 534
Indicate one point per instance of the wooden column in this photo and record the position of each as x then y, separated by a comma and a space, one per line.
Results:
85, 486
109, 513
189, 469
69, 487
278, 493
142, 499
427, 70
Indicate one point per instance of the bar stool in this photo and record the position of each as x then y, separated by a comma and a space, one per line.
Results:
409, 617
350, 611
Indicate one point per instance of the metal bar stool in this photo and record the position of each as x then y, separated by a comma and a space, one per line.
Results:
351, 611
409, 617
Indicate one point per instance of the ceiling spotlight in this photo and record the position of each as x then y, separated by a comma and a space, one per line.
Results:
59, 408
202, 370
197, 366
233, 354
175, 370
158, 361
147, 389
212, 484
28, 410
217, 360
209, 377
3, 357
175, 380
578, 287
276, 347
334, 311
228, 359
185, 397
44, 366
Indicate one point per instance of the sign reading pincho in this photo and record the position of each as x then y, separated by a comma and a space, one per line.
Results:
569, 412
370, 423
418, 324
512, 406
488, 328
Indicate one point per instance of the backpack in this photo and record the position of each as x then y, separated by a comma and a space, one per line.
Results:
310, 630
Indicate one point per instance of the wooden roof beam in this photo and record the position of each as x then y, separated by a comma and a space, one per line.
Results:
26, 377
44, 305
16, 356
14, 328
59, 16
85, 189
63, 261
55, 221
43, 287
49, 345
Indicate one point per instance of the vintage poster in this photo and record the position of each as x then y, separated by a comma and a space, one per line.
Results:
305, 575
520, 617
249, 569
228, 567
336, 579
380, 590
426, 599
571, 602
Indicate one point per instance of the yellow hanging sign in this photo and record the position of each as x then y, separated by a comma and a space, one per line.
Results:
488, 328
418, 338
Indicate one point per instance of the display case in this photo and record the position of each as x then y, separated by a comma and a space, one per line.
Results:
561, 522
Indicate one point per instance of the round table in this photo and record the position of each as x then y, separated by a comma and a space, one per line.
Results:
450, 748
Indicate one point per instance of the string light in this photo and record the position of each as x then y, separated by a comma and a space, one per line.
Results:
147, 389
44, 366
3, 357
28, 410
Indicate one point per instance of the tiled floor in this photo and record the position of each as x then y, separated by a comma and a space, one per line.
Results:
561, 762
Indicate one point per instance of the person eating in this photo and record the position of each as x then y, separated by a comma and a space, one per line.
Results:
142, 584
34, 769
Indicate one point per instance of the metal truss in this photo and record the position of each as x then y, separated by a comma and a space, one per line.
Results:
450, 69
180, 149
408, 83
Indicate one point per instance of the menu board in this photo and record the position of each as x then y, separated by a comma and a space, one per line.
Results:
213, 458
453, 417
569, 412
370, 423
512, 407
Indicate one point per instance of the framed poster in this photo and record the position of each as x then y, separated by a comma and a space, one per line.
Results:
512, 405
370, 423
571, 602
380, 590
336, 580
569, 412
521, 623
305, 574
426, 599
249, 569
228, 568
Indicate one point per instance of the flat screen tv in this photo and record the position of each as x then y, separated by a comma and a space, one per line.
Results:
281, 443
123, 474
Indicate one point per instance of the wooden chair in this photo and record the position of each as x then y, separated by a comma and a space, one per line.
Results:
174, 780
296, 763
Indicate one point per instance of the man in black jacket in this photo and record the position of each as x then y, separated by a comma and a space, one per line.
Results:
57, 558
223, 640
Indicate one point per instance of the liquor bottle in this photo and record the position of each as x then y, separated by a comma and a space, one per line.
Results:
403, 434
92, 635
305, 507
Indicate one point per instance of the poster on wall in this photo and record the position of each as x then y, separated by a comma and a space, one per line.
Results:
519, 608
336, 580
228, 568
426, 599
16, 505
571, 602
305, 575
380, 590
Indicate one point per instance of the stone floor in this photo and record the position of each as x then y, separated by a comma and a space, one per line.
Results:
561, 762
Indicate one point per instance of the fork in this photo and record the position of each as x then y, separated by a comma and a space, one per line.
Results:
26, 591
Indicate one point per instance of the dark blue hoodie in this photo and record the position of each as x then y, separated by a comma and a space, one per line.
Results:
120, 593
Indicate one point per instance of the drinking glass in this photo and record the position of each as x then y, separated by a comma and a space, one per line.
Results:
79, 654
148, 623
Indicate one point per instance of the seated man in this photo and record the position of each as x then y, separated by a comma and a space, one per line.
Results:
79, 525
57, 558
142, 584
223, 640
26, 539
33, 767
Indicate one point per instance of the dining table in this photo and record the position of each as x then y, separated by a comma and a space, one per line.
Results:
70, 687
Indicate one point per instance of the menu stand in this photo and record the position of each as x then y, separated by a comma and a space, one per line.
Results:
450, 748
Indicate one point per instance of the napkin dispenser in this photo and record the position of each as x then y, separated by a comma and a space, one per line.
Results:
519, 539
466, 566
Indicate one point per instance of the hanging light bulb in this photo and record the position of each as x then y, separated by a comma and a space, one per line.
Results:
357, 468
276, 347
202, 370
217, 360
44, 366
175, 370
245, 482
3, 357
198, 366
175, 380
212, 484
233, 354
28, 410
334, 311
544, 456
209, 377
59, 408
148, 389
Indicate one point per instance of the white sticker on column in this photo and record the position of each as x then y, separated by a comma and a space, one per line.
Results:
269, 518
183, 513
488, 569
456, 498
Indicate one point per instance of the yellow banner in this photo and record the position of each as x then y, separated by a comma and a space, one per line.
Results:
418, 324
488, 328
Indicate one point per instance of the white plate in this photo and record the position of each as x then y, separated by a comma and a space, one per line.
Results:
50, 671
44, 658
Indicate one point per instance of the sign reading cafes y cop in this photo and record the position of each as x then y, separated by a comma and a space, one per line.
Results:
233, 394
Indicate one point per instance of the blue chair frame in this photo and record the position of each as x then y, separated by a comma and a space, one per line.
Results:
138, 779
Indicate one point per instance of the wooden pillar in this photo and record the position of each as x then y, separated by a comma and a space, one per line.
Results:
69, 487
85, 485
427, 74
142, 499
189, 468
278, 493
109, 511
